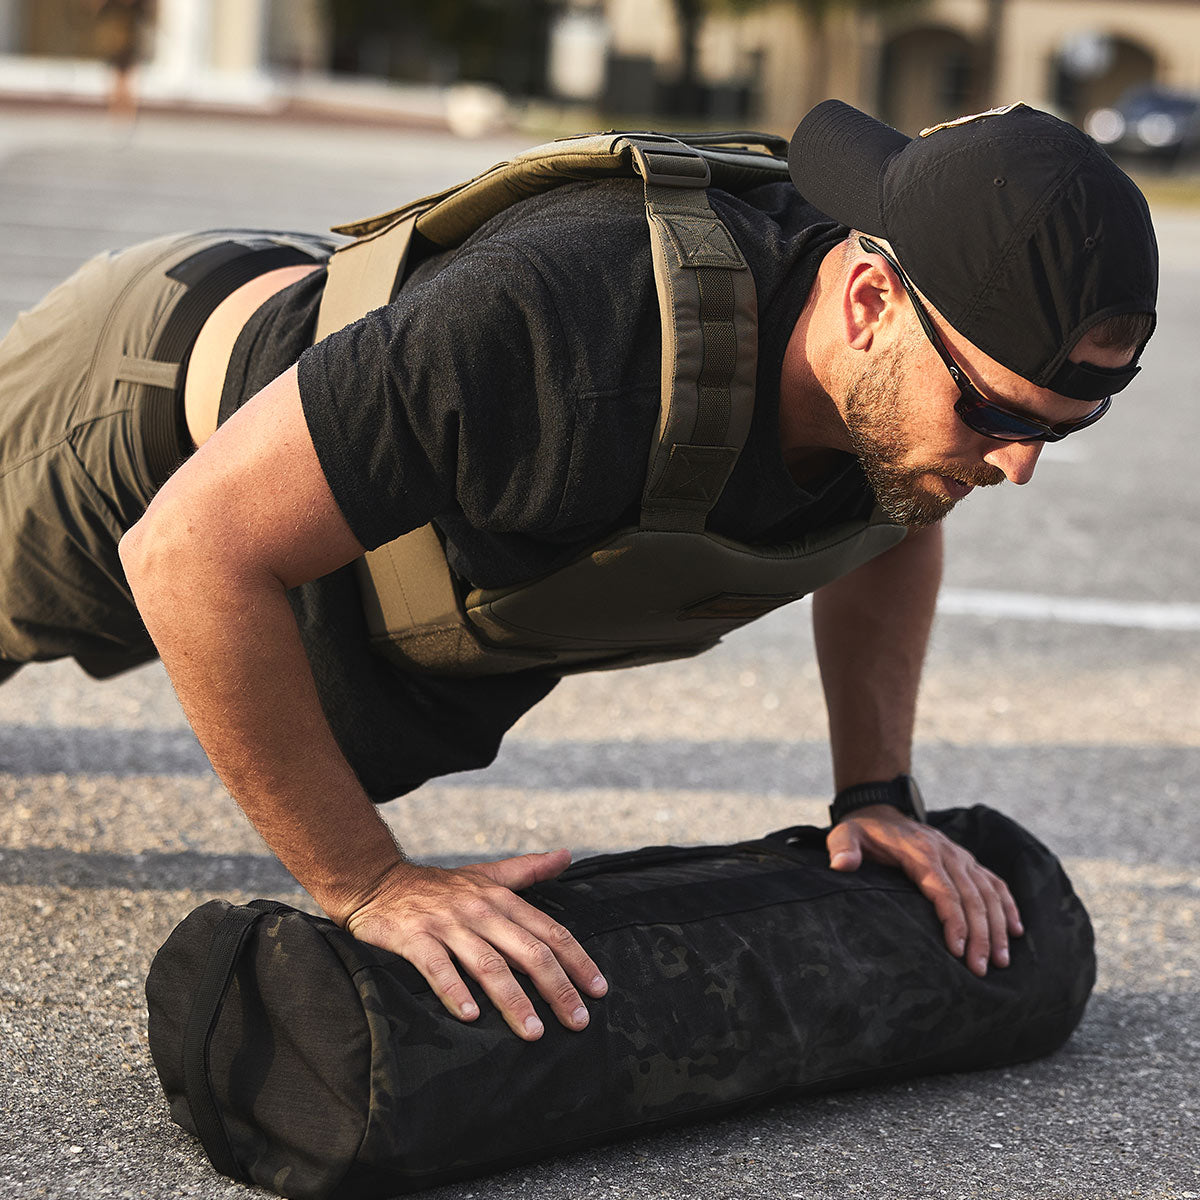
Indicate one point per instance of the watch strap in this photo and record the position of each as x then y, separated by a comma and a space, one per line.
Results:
901, 792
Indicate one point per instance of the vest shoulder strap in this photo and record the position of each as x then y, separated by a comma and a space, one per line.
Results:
706, 292
707, 304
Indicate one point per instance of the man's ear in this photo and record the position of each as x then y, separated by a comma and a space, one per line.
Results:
869, 299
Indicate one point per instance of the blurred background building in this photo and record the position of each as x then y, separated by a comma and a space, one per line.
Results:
760, 62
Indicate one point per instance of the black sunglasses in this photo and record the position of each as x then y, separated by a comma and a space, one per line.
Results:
975, 410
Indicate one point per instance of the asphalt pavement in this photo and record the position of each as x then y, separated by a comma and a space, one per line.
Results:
1063, 687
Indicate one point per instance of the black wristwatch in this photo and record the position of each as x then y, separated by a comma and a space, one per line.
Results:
901, 792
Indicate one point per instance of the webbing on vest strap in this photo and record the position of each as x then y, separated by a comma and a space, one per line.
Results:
706, 302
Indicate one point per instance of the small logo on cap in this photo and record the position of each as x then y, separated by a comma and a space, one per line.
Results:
991, 112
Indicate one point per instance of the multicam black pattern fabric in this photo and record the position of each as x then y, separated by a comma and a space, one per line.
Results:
737, 973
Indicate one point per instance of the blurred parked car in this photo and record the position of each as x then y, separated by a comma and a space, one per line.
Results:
1149, 122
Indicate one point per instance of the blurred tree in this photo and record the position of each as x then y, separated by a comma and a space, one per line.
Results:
993, 31
815, 14
690, 15
495, 41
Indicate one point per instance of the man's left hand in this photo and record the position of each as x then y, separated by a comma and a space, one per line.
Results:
977, 911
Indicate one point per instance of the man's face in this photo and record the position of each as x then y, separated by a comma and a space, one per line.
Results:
916, 453
885, 418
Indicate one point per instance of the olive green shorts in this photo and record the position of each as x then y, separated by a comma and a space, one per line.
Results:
92, 424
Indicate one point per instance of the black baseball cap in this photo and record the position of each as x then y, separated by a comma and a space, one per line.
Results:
1017, 227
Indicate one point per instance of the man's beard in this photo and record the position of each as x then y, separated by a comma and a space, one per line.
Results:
876, 416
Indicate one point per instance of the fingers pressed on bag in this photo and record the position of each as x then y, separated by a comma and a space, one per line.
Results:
993, 893
431, 958
845, 851
526, 952
525, 869
939, 888
576, 961
1012, 914
491, 971
975, 909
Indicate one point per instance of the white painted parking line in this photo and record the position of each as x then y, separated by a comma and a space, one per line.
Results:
1079, 610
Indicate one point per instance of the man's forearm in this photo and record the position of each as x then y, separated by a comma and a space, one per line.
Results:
232, 649
872, 628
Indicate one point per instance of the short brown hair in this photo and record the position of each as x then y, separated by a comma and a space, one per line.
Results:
1125, 332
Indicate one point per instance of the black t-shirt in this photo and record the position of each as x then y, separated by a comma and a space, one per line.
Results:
510, 394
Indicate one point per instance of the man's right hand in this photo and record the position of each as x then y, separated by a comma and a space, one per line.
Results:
469, 916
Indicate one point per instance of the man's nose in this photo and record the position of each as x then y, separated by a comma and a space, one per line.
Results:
1016, 459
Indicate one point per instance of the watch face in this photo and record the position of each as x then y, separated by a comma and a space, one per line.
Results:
915, 800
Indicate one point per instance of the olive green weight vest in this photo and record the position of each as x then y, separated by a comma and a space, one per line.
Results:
666, 588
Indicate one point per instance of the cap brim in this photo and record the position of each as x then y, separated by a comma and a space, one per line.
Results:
837, 159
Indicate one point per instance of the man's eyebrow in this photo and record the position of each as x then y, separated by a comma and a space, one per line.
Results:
1017, 408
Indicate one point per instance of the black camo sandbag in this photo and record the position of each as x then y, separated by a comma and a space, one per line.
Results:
317, 1066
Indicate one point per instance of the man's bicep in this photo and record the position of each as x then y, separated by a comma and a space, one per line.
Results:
254, 495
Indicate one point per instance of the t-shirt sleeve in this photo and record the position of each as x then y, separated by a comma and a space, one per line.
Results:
455, 398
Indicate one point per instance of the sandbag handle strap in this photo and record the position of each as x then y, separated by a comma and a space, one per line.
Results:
223, 951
